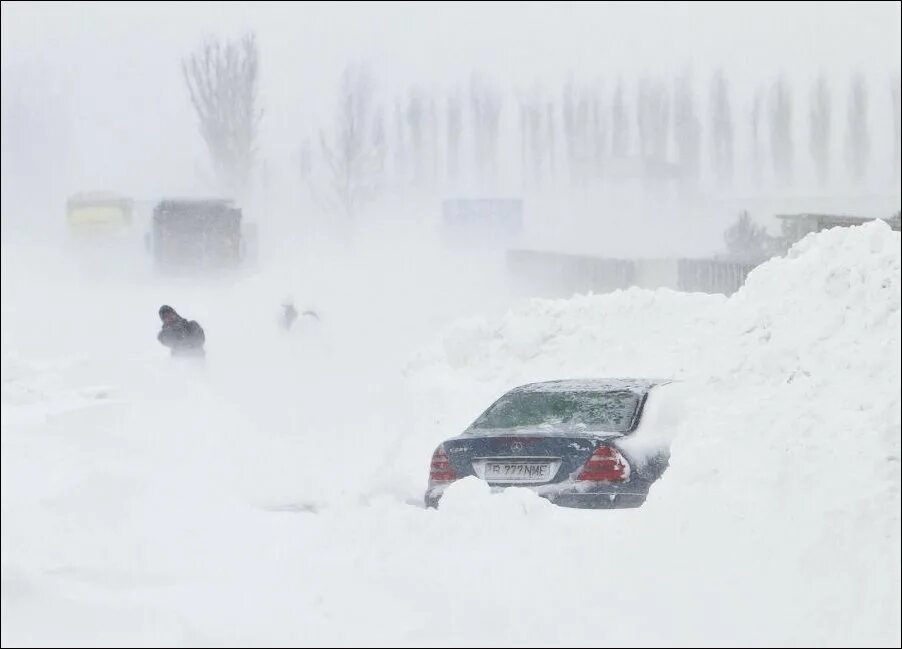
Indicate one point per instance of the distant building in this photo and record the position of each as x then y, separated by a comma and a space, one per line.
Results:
539, 273
553, 274
796, 226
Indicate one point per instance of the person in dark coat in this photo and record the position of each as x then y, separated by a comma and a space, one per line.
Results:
183, 337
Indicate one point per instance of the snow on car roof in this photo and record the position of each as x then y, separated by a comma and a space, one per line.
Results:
592, 385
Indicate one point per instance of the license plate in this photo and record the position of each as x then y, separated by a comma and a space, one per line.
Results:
503, 471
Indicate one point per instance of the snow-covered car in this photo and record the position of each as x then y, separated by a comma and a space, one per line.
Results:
579, 443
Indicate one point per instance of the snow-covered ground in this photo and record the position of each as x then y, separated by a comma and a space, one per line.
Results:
272, 496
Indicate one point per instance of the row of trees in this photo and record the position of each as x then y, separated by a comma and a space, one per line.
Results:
581, 136
222, 82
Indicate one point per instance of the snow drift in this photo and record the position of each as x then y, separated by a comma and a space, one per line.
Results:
270, 499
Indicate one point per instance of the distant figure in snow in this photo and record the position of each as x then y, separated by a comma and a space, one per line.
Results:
183, 337
290, 315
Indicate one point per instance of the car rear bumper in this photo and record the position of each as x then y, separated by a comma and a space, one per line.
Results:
581, 496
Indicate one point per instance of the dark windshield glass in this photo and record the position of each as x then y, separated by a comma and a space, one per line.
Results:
607, 411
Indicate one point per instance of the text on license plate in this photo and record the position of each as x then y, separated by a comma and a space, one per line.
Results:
517, 471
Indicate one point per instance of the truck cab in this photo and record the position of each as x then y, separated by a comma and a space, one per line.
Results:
98, 213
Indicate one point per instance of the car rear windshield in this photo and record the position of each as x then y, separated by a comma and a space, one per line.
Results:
607, 411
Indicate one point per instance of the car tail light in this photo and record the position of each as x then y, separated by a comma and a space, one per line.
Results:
605, 465
441, 470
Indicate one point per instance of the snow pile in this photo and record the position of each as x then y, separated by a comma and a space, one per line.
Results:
793, 441
802, 370
788, 453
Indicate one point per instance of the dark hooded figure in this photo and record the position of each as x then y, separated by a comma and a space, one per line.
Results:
183, 337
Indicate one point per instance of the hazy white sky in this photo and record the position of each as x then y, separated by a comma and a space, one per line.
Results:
115, 66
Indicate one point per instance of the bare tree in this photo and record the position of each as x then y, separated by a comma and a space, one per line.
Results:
524, 137
416, 128
687, 130
576, 131
539, 137
858, 142
222, 83
400, 148
568, 121
721, 130
486, 105
620, 134
36, 140
897, 118
352, 154
599, 129
781, 146
534, 135
455, 129
653, 116
380, 140
551, 131
819, 125
432, 133
304, 160
643, 116
755, 134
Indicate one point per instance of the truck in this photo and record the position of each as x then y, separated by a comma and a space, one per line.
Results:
198, 234
90, 214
